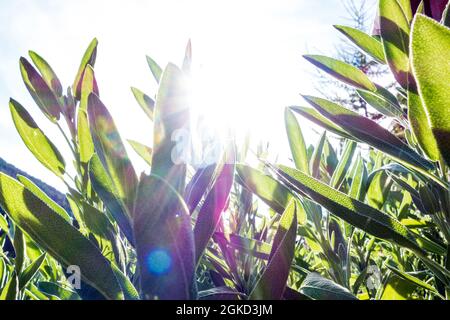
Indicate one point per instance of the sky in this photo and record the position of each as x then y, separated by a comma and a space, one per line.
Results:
247, 57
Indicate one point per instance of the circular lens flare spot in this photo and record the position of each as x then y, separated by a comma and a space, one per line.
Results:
159, 262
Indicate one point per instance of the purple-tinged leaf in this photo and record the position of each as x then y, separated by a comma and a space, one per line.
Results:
272, 283
89, 58
40, 91
164, 242
104, 187
369, 131
47, 73
198, 185
212, 208
171, 129
111, 151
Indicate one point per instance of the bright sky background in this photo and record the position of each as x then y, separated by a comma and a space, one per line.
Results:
247, 57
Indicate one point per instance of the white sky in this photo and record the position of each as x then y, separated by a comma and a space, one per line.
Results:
247, 54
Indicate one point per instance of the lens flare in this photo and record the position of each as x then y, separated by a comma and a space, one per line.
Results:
159, 262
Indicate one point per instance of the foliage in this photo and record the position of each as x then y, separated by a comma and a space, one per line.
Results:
361, 224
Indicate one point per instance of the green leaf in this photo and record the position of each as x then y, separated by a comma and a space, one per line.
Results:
430, 52
212, 208
154, 68
296, 141
269, 190
406, 8
397, 288
45, 198
359, 179
34, 293
420, 124
245, 245
187, 61
75, 206
395, 30
415, 281
342, 71
104, 187
30, 271
272, 283
88, 85
56, 290
221, 293
142, 150
344, 165
3, 223
111, 151
329, 158
40, 91
129, 291
32, 250
171, 129
365, 42
100, 226
11, 289
56, 236
19, 249
317, 156
88, 59
85, 143
383, 101
369, 131
446, 16
47, 73
145, 102
199, 184
166, 258
314, 116
350, 210
378, 184
319, 288
35, 140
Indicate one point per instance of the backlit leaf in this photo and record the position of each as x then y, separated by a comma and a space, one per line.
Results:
430, 57
35, 140
350, 210
30, 271
395, 30
344, 164
104, 187
275, 194
365, 42
111, 151
142, 150
296, 141
319, 288
85, 143
11, 289
40, 91
47, 73
212, 208
45, 198
89, 58
171, 129
145, 102
155, 69
272, 283
57, 236
166, 258
368, 131
342, 71
314, 116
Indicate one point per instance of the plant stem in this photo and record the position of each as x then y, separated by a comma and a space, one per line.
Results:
65, 137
